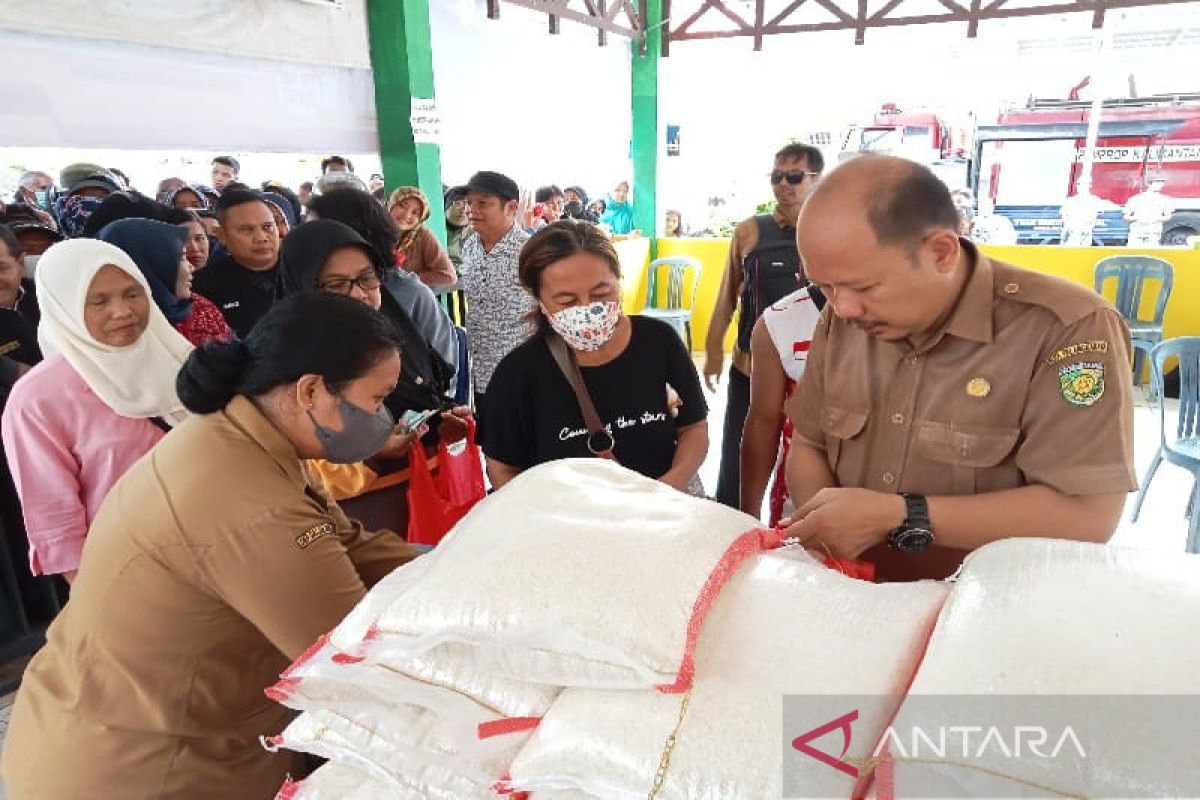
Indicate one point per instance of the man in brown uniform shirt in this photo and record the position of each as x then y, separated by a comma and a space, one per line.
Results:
949, 400
763, 267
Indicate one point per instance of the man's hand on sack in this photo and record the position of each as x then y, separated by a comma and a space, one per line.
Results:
843, 523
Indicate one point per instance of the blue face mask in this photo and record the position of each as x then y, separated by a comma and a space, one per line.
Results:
362, 434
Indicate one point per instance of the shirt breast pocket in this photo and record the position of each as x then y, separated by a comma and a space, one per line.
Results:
970, 457
841, 426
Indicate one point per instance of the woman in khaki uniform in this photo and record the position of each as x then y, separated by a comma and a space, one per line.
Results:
212, 564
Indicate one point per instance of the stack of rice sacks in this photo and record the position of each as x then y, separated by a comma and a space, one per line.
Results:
588, 633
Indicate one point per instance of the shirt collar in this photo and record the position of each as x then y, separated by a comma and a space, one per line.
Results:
16, 306
253, 423
972, 317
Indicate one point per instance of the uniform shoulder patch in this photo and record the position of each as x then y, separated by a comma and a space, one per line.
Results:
313, 534
1082, 384
1077, 349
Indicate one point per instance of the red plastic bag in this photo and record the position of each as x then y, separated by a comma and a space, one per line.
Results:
436, 502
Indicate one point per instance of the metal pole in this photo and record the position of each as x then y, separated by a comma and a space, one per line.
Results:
1099, 85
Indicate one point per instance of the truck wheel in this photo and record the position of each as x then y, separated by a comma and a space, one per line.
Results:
1180, 227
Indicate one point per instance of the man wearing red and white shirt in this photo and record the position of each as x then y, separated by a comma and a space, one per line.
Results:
779, 349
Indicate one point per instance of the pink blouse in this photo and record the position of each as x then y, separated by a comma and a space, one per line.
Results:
66, 449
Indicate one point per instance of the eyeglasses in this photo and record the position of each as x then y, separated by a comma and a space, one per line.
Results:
794, 177
368, 282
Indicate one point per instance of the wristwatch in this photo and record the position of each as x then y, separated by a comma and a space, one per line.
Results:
914, 534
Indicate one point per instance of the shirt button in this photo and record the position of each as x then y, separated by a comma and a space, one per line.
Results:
1012, 288
889, 478
912, 359
897, 419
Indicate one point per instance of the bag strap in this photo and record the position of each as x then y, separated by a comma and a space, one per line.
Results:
600, 442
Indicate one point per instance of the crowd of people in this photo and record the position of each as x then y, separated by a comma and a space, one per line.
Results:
202, 391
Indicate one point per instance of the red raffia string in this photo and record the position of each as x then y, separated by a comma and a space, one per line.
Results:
282, 691
351, 658
744, 546
288, 790
504, 787
503, 727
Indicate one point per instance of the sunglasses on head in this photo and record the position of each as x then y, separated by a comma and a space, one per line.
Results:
794, 177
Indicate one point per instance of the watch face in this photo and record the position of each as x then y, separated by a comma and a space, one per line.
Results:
913, 540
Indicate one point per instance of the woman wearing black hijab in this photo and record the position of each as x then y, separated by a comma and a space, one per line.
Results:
328, 256
158, 250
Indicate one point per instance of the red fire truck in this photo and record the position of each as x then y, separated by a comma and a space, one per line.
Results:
1031, 160
1037, 159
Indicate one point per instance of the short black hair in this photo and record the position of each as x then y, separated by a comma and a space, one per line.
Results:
307, 186
10, 240
812, 156
365, 215
232, 198
547, 193
903, 211
290, 341
230, 162
327, 163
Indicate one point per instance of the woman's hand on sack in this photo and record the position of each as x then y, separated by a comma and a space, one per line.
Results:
400, 442
454, 424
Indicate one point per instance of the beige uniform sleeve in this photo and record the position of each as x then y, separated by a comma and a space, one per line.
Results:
1077, 428
296, 572
807, 404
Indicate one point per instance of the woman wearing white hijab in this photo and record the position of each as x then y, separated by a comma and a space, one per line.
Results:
104, 395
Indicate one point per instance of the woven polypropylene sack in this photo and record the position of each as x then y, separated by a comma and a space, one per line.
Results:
338, 781
577, 573
785, 625
380, 743
1097, 638
459, 698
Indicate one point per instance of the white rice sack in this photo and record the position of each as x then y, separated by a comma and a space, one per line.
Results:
785, 625
1097, 639
399, 746
337, 781
577, 573
461, 699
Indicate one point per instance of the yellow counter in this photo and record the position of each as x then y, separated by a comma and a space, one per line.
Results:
1074, 263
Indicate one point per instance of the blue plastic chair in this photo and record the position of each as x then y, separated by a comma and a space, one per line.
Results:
1183, 449
673, 311
1131, 273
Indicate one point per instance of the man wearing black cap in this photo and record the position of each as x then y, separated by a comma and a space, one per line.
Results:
499, 305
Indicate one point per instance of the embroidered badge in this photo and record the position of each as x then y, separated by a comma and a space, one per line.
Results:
979, 387
1082, 384
1077, 349
314, 533
800, 350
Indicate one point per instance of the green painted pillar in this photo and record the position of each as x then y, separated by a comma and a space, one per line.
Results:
402, 60
645, 147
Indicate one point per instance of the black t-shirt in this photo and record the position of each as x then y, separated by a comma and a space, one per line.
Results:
242, 294
531, 415
18, 327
